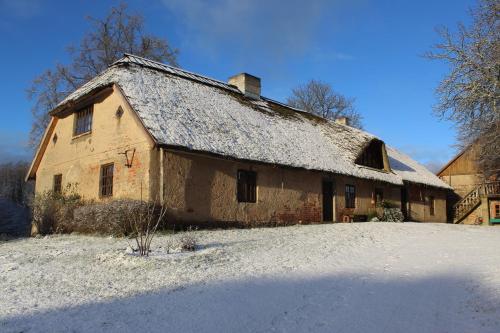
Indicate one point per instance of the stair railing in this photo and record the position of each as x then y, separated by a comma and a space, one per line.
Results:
473, 198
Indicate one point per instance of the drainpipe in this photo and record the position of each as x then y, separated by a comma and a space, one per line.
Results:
162, 179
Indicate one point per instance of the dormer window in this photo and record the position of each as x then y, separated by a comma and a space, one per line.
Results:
83, 121
373, 155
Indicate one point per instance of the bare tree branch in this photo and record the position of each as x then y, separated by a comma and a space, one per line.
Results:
117, 33
468, 94
319, 98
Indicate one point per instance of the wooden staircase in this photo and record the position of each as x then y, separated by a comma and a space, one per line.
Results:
468, 203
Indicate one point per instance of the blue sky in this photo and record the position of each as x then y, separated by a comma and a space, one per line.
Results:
370, 50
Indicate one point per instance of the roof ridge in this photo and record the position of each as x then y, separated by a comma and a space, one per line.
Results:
330, 121
127, 57
179, 71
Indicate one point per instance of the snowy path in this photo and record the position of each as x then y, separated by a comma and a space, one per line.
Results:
366, 277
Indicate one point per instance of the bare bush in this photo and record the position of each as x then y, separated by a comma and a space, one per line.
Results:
169, 245
109, 218
144, 222
66, 212
52, 210
188, 241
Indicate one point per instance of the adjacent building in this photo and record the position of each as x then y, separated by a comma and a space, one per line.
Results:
221, 153
474, 199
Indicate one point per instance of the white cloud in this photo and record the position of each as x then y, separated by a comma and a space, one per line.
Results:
243, 29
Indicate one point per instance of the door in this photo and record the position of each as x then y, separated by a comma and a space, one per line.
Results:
328, 201
494, 206
404, 202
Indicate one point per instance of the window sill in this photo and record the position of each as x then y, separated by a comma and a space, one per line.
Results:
374, 169
76, 137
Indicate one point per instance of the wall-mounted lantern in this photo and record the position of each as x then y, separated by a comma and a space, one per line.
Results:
129, 157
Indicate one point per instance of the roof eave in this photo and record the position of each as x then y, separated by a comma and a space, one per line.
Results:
71, 105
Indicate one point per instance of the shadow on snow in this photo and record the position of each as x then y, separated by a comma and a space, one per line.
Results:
344, 303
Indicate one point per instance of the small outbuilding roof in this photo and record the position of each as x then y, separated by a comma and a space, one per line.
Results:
187, 110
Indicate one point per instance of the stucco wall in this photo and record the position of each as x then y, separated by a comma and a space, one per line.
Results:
201, 189
79, 159
365, 204
419, 205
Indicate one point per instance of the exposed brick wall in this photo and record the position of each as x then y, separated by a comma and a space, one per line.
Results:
309, 212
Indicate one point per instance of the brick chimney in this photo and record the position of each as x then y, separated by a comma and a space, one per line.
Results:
342, 121
247, 84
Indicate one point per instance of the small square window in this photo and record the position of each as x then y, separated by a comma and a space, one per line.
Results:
57, 185
247, 186
106, 181
83, 121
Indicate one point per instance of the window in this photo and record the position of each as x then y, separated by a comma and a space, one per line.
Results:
247, 186
431, 205
83, 121
379, 196
372, 155
57, 183
106, 183
497, 211
350, 196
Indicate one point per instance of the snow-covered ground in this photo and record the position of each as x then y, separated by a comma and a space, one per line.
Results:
364, 277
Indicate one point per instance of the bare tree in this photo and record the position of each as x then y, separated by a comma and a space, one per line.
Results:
12, 184
468, 95
119, 32
319, 98
15, 196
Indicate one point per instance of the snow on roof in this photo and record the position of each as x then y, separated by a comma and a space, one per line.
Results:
187, 110
412, 171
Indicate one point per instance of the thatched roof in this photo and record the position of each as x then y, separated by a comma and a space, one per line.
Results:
183, 109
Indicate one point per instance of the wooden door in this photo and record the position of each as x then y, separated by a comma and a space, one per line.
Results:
404, 202
328, 201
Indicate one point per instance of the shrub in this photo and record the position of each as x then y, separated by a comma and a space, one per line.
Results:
52, 210
392, 215
188, 241
66, 212
109, 218
386, 204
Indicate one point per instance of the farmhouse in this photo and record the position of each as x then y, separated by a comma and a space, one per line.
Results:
218, 152
474, 199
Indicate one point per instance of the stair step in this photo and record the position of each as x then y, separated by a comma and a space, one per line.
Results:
468, 203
